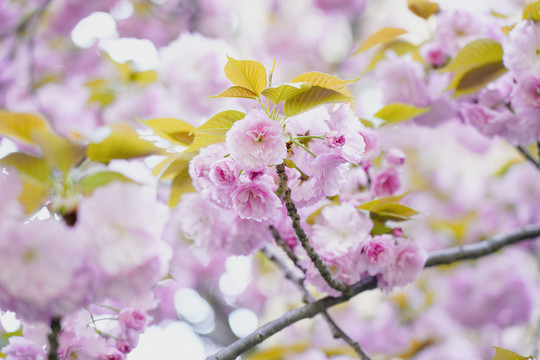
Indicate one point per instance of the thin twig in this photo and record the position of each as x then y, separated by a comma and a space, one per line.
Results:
53, 338
446, 256
308, 297
300, 233
527, 155
283, 245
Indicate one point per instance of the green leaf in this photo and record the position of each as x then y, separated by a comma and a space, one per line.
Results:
392, 211
398, 112
322, 80
475, 79
504, 354
385, 200
388, 208
58, 150
285, 92
248, 74
172, 166
20, 126
532, 11
175, 131
400, 47
477, 64
236, 91
475, 54
28, 166
122, 142
93, 181
214, 130
380, 37
181, 184
35, 177
144, 77
311, 98
423, 8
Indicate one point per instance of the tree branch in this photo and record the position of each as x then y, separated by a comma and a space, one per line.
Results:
53, 338
300, 233
528, 156
308, 297
446, 256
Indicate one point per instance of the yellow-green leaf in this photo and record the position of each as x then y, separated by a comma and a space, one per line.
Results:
532, 11
477, 64
311, 98
28, 166
248, 74
214, 130
380, 37
93, 181
58, 150
373, 204
322, 80
19, 126
400, 47
34, 194
476, 54
144, 77
172, 166
181, 184
285, 92
392, 211
423, 8
236, 91
398, 112
475, 79
173, 130
504, 354
122, 142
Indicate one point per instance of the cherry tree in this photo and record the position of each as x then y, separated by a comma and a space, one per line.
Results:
365, 171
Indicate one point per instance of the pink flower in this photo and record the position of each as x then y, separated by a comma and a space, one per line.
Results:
255, 200
341, 229
123, 225
256, 141
522, 50
395, 157
434, 53
22, 348
224, 173
373, 143
379, 253
487, 121
402, 81
43, 269
386, 183
344, 135
111, 353
405, 267
526, 94
132, 318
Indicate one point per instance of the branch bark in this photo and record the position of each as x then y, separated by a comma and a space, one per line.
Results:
53, 338
446, 256
303, 238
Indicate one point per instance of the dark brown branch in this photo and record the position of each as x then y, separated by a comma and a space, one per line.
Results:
446, 256
283, 245
53, 339
300, 233
308, 298
528, 156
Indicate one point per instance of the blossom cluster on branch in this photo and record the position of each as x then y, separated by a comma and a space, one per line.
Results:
147, 168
